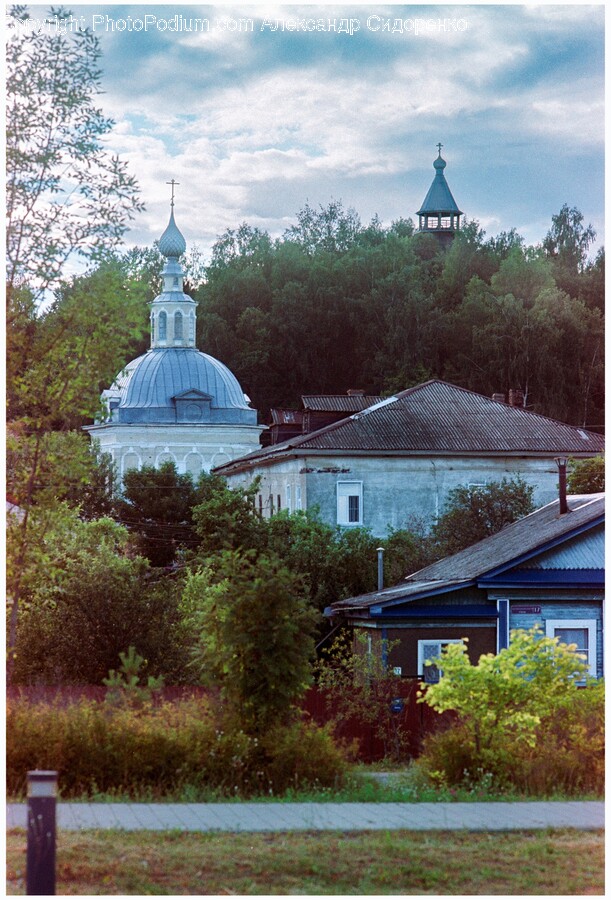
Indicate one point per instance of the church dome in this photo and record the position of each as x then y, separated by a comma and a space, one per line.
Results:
173, 382
179, 384
171, 242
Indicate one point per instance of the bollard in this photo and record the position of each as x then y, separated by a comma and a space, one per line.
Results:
40, 871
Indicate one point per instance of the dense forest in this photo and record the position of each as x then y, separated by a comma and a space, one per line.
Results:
335, 305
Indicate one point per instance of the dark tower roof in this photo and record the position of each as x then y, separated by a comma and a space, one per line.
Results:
439, 198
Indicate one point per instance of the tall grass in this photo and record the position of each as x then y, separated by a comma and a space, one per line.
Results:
160, 750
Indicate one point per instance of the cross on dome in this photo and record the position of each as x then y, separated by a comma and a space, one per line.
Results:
173, 183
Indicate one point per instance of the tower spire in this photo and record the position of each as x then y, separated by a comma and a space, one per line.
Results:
173, 311
439, 215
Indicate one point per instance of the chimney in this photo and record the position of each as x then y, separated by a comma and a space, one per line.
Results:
561, 463
498, 398
380, 568
516, 398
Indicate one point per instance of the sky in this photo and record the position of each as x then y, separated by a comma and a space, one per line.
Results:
253, 122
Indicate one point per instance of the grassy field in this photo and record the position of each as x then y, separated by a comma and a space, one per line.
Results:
116, 863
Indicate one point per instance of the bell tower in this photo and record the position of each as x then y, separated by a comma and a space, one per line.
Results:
439, 215
172, 312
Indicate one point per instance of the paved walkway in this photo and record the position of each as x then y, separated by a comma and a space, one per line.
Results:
235, 817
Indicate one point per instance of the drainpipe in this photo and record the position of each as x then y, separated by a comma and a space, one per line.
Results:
380, 568
561, 463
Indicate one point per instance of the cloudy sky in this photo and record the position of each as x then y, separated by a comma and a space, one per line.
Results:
254, 123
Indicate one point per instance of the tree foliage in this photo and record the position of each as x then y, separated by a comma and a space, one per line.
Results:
156, 505
55, 374
473, 513
252, 629
85, 600
65, 192
568, 240
335, 305
586, 476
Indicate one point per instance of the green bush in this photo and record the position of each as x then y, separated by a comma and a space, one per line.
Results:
303, 755
566, 756
159, 751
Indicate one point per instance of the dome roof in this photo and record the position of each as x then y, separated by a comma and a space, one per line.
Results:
150, 387
171, 242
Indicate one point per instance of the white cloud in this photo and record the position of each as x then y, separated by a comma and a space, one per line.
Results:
251, 133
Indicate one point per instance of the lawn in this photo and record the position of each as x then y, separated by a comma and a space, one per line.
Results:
562, 862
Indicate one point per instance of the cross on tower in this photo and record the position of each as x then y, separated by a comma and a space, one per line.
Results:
439, 146
173, 183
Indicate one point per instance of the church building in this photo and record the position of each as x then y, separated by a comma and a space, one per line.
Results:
175, 403
439, 215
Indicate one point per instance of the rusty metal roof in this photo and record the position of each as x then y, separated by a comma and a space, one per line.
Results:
518, 544
348, 403
437, 418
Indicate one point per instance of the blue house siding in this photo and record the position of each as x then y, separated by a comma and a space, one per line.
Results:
567, 610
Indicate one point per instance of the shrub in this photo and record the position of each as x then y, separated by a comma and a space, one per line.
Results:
303, 755
96, 747
566, 754
506, 695
359, 687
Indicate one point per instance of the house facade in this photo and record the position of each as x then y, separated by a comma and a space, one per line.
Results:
545, 570
398, 460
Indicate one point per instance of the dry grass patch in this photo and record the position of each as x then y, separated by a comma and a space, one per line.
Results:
397, 862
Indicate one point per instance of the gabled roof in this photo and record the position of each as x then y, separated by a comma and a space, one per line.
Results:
437, 418
517, 545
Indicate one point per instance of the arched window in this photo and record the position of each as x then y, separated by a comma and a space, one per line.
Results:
178, 325
163, 326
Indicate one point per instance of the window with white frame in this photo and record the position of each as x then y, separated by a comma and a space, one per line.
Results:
350, 503
298, 496
288, 499
581, 632
432, 649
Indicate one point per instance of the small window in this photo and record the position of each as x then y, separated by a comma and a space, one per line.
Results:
163, 326
581, 632
271, 504
432, 649
298, 497
178, 326
261, 505
279, 507
288, 499
349, 503
446, 222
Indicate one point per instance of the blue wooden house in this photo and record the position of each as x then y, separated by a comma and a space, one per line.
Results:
546, 569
